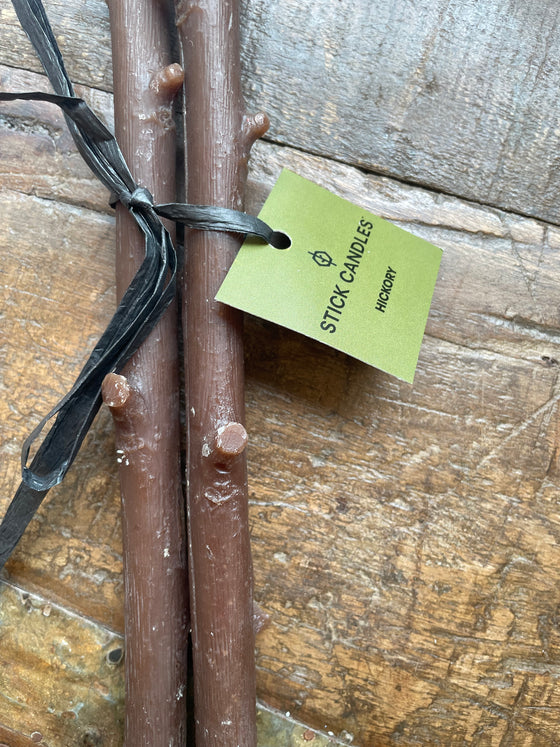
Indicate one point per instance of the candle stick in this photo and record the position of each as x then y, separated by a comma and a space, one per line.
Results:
145, 401
218, 138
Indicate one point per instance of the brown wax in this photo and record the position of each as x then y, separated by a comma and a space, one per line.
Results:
145, 405
218, 140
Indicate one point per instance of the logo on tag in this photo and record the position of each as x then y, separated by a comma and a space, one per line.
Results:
322, 258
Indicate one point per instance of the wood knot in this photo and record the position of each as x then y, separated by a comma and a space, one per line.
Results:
115, 390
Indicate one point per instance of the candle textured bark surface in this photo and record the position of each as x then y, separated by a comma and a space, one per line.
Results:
145, 404
218, 138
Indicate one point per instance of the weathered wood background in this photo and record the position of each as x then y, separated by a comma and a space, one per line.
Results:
405, 538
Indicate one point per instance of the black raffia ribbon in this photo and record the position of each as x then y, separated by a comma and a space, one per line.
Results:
148, 295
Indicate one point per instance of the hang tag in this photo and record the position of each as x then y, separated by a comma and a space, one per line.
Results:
349, 279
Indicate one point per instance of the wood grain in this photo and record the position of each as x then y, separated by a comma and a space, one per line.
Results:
453, 95
82, 32
405, 538
59, 682
448, 94
62, 681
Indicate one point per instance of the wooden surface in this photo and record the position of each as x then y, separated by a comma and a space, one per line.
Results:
405, 538
457, 95
65, 677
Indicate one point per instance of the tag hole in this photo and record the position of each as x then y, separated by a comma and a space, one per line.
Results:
280, 240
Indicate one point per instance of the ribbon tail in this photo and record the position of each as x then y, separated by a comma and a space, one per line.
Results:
16, 519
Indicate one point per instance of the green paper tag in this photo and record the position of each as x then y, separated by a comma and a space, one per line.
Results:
349, 279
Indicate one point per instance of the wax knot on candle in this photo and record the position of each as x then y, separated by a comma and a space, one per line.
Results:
229, 444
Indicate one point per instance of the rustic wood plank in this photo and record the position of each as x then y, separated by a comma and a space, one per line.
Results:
405, 538
38, 155
48, 249
82, 33
62, 681
407, 572
59, 682
276, 729
461, 470
456, 96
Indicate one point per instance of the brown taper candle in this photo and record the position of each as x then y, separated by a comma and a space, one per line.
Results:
145, 404
218, 139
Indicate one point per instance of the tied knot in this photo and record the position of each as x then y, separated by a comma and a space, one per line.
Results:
140, 198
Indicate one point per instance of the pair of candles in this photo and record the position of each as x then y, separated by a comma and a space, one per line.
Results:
173, 549
145, 404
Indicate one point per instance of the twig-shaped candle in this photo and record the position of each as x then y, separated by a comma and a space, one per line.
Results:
219, 136
145, 402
